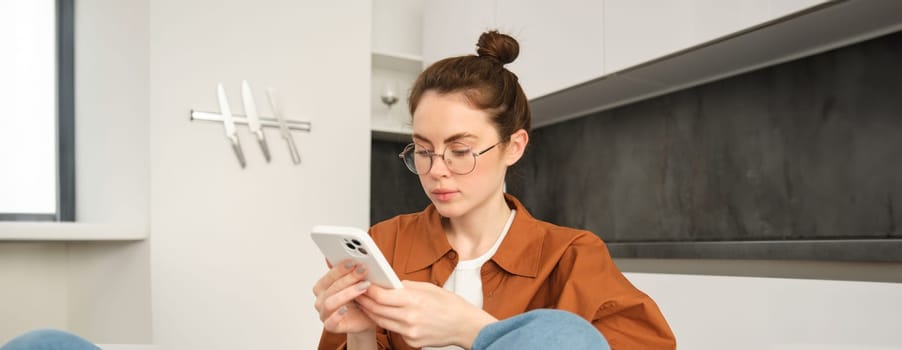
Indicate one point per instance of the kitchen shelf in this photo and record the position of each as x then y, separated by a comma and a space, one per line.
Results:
391, 124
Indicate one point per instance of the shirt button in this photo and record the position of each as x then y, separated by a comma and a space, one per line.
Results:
452, 255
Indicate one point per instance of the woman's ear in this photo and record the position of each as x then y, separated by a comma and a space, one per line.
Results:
516, 146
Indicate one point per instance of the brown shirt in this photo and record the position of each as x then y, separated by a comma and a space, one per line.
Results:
538, 265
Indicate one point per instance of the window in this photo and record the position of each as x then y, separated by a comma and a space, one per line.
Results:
37, 178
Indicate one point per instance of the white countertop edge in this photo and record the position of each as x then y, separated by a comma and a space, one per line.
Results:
71, 231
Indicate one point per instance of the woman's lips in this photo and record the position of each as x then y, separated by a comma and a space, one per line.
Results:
444, 195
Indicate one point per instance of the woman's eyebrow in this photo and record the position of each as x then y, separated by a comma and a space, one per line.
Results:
452, 138
421, 138
458, 136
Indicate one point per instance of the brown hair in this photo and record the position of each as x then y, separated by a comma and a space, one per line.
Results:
484, 81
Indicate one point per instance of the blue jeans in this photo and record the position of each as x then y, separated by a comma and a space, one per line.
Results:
540, 329
48, 339
537, 329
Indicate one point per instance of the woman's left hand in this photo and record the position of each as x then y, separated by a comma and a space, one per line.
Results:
425, 314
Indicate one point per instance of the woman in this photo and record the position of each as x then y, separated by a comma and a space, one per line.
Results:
475, 255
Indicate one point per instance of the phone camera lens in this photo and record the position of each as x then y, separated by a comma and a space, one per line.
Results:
356, 242
350, 246
362, 251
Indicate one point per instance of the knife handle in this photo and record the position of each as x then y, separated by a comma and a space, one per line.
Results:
295, 156
236, 146
261, 140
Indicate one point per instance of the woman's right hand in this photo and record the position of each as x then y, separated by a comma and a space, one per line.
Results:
335, 293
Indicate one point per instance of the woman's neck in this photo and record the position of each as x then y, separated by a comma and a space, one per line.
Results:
473, 234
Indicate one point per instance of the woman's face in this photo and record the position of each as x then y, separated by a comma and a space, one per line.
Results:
446, 121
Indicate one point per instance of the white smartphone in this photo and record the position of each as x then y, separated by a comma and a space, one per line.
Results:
338, 243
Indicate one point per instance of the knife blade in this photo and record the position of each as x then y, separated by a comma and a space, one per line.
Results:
283, 127
253, 120
229, 125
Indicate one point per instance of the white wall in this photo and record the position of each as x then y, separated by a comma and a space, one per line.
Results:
108, 295
726, 312
111, 110
232, 264
33, 292
108, 292
100, 291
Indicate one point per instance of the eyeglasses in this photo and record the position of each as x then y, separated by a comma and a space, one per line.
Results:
461, 160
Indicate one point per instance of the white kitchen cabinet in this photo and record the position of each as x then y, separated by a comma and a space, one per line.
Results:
398, 27
560, 41
648, 58
583, 56
569, 42
451, 28
639, 31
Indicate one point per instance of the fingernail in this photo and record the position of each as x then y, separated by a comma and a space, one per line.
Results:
361, 269
343, 310
363, 285
349, 264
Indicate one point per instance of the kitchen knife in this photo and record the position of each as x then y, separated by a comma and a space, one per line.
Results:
253, 120
283, 128
229, 125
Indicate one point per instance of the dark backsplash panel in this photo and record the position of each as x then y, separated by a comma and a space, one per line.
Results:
394, 190
810, 149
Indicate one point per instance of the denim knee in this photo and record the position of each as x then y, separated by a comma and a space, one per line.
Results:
541, 329
48, 339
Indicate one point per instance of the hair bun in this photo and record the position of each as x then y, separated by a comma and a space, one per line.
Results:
501, 47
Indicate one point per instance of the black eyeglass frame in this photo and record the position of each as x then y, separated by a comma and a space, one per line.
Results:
412, 166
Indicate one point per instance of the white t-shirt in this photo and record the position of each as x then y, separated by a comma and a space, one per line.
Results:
466, 279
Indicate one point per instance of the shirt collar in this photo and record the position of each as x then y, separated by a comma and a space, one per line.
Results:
518, 254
